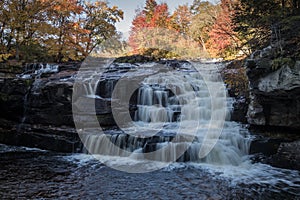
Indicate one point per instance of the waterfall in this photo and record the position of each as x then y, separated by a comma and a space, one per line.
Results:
34, 71
37, 69
180, 117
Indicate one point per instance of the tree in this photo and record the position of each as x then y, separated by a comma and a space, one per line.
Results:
253, 21
149, 9
204, 16
152, 16
181, 19
21, 22
160, 17
98, 25
62, 15
223, 40
59, 29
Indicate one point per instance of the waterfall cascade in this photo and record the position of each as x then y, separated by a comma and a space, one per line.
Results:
179, 114
37, 69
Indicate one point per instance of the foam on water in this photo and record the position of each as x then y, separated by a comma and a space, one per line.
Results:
227, 160
246, 173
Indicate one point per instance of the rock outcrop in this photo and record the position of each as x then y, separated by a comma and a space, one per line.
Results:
274, 91
36, 108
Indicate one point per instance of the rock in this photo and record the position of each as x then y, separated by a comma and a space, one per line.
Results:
61, 139
255, 113
265, 146
49, 103
37, 111
37, 108
240, 108
12, 95
234, 75
287, 156
274, 96
277, 146
135, 59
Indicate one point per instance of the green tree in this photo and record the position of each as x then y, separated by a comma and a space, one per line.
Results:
204, 16
254, 19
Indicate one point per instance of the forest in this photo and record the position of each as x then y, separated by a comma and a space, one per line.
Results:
65, 30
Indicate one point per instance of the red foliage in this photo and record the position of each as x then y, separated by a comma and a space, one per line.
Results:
222, 34
158, 18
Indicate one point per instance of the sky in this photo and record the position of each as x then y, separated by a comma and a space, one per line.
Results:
129, 7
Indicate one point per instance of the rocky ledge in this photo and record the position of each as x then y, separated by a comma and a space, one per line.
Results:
274, 87
274, 91
36, 108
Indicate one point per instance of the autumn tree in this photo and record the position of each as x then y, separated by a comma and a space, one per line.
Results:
149, 10
223, 40
59, 29
181, 19
204, 16
62, 15
152, 16
98, 25
21, 23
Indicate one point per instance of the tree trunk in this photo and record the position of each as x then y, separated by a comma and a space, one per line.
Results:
17, 48
296, 6
203, 44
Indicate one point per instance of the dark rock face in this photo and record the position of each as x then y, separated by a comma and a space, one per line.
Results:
277, 147
240, 107
49, 102
274, 93
12, 94
287, 156
37, 110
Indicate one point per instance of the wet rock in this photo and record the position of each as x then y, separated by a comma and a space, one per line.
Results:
12, 95
38, 103
135, 59
240, 108
276, 146
60, 139
274, 95
287, 156
50, 103
265, 146
234, 75
36, 108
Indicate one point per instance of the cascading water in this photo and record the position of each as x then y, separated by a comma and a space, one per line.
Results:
180, 116
37, 69
34, 71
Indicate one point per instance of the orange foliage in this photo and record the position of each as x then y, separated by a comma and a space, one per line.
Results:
222, 36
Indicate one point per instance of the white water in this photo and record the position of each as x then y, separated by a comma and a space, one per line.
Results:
246, 174
182, 116
36, 70
228, 160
